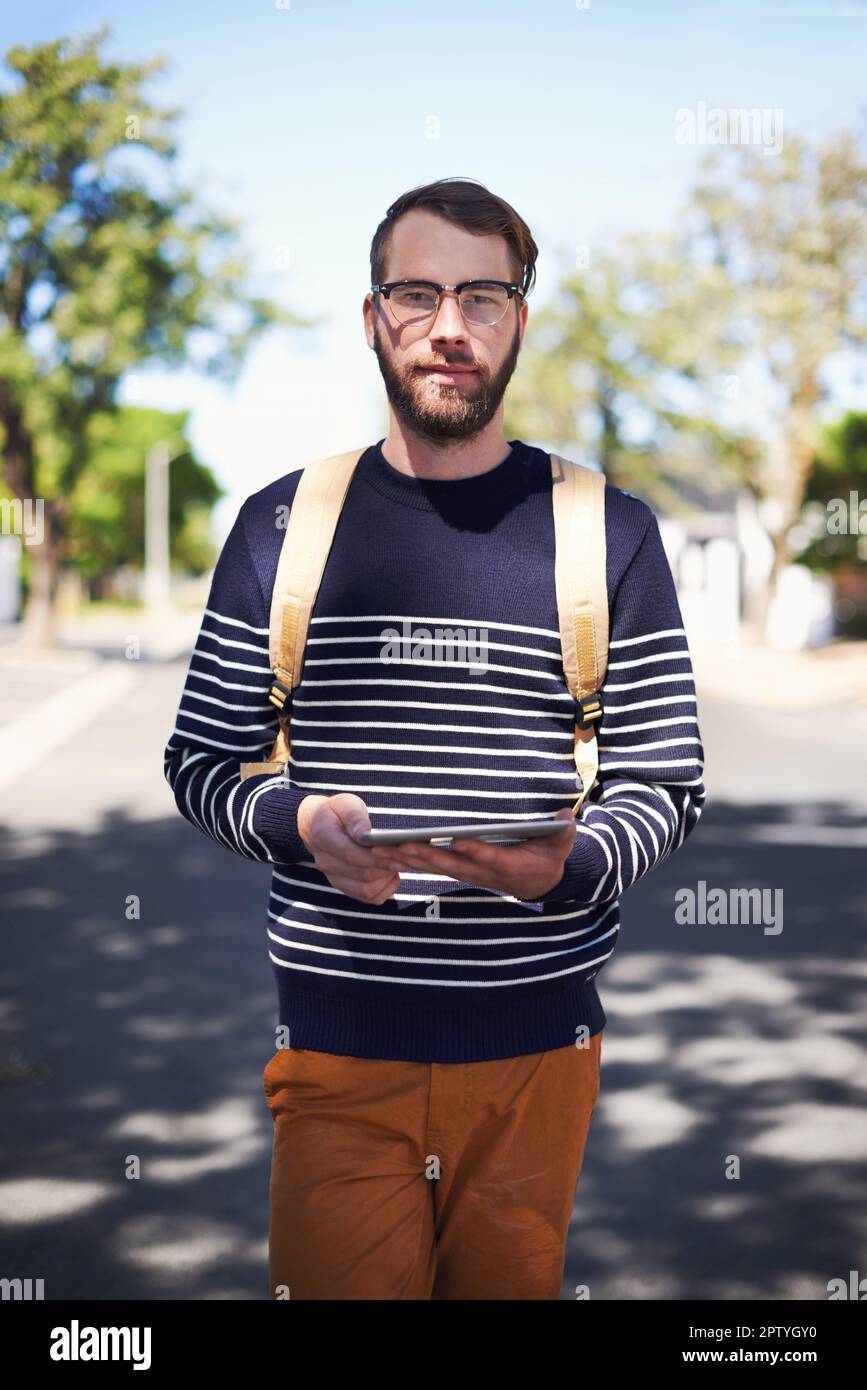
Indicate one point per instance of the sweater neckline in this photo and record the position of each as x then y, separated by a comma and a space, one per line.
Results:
426, 493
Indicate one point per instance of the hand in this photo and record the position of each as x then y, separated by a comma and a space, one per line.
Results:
323, 824
527, 870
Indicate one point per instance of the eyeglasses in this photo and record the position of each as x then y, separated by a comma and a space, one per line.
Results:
416, 301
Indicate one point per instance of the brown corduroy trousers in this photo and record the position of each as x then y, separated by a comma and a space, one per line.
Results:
417, 1180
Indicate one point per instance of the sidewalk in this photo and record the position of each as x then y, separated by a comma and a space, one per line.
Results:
48, 694
821, 678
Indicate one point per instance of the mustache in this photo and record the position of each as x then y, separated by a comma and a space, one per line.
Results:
445, 366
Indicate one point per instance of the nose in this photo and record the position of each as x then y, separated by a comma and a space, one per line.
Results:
449, 321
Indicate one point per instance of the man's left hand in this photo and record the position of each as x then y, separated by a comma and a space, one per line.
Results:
526, 870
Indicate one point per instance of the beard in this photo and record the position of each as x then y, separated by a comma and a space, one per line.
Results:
442, 412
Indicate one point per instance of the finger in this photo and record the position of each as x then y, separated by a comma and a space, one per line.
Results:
387, 855
451, 863
365, 872
366, 892
351, 813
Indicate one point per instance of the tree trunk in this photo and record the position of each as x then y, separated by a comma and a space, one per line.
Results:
788, 488
39, 626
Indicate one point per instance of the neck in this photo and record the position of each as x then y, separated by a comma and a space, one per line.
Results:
446, 459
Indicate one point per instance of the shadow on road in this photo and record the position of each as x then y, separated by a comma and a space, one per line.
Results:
144, 1039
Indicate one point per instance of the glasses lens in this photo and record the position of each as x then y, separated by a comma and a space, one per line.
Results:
413, 303
484, 303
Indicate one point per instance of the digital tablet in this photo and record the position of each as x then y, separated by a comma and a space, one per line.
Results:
510, 830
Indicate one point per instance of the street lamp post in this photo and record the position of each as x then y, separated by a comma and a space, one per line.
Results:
157, 576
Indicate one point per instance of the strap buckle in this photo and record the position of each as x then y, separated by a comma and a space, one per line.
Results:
279, 694
589, 710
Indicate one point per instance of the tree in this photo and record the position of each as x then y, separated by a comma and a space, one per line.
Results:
790, 234
613, 365
106, 527
699, 357
106, 262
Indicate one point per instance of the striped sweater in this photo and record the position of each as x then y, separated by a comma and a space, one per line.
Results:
424, 732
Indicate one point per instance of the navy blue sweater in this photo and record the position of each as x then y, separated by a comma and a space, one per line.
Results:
442, 971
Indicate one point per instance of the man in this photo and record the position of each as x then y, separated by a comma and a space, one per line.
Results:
444, 1029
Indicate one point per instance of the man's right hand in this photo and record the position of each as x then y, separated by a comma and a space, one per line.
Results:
324, 824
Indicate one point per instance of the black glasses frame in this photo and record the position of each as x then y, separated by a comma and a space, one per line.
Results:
458, 289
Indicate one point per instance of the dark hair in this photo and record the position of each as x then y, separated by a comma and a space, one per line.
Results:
468, 204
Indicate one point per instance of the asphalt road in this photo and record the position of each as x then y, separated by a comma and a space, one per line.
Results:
728, 1153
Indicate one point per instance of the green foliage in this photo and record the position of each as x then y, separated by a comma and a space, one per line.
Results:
106, 521
105, 263
613, 366
673, 360
840, 469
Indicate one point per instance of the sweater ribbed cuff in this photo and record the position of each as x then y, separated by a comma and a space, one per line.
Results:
274, 819
582, 871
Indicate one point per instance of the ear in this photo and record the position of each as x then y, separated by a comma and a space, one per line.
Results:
368, 310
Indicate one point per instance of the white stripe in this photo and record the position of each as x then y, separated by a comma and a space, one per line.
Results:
428, 748
584, 828
650, 680
430, 663
651, 637
235, 622
461, 941
450, 622
462, 963
627, 811
219, 834
362, 913
461, 709
212, 743
645, 660
438, 685
190, 694
649, 724
268, 784
661, 762
669, 826
231, 642
645, 787
452, 728
448, 984
436, 771
634, 840
598, 830
441, 791
225, 685
646, 747
240, 728
433, 641
646, 704
230, 665
196, 757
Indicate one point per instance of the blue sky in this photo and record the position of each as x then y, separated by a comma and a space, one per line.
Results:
307, 119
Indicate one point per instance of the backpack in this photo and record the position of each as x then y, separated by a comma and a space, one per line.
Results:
578, 500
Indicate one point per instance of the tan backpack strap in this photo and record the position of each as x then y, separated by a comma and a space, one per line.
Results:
578, 496
312, 521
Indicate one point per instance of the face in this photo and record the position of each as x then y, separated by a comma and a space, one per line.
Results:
459, 403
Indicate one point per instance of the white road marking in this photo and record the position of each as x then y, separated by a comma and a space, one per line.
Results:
29, 739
